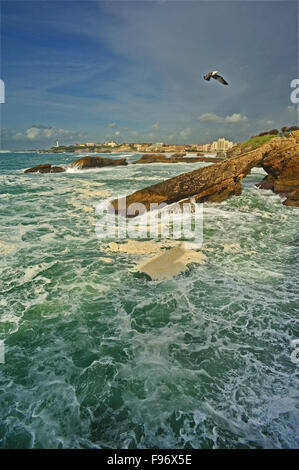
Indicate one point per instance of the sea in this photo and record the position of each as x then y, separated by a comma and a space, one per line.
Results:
94, 354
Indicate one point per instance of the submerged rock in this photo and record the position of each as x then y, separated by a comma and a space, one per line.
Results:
97, 162
170, 263
215, 183
45, 168
160, 260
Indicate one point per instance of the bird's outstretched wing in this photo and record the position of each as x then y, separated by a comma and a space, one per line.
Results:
207, 76
220, 79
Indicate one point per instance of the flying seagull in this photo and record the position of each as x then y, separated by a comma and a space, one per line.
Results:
215, 75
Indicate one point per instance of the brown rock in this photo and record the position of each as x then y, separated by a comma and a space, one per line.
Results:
279, 157
177, 155
266, 183
282, 165
215, 182
97, 162
57, 169
151, 158
292, 199
39, 169
176, 158
45, 168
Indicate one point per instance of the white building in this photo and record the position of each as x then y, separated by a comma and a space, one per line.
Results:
218, 145
111, 144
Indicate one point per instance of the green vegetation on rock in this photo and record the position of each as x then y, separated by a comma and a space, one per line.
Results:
255, 142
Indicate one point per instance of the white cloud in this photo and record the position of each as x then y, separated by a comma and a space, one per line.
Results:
39, 133
186, 132
234, 118
209, 117
111, 124
156, 126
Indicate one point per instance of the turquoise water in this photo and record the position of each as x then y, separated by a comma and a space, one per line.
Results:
97, 355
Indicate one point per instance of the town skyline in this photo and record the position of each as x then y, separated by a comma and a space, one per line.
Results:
219, 145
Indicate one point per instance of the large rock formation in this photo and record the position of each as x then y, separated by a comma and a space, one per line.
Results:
214, 183
175, 158
45, 168
97, 162
282, 166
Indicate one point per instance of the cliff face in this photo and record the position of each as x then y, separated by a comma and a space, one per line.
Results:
282, 166
278, 156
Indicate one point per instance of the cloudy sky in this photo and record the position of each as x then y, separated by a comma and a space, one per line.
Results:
82, 71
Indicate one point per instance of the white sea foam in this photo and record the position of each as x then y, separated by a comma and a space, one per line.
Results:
82, 324
7, 248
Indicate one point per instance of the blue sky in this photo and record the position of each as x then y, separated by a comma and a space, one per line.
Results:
132, 70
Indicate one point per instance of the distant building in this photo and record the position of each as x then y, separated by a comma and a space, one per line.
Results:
90, 144
110, 144
141, 147
155, 147
57, 143
220, 145
206, 147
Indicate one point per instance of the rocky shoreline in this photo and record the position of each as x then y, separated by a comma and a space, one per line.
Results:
89, 162
279, 157
83, 163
